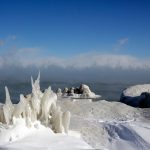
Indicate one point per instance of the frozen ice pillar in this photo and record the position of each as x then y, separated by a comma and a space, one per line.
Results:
8, 100
8, 107
36, 95
37, 83
36, 86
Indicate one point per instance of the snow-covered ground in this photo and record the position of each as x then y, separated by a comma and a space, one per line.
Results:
20, 137
110, 125
101, 125
36, 122
41, 121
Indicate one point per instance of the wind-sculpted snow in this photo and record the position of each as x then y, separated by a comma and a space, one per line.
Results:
109, 125
116, 136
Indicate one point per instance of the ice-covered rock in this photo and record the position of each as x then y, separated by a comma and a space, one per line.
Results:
136, 90
59, 92
82, 92
137, 96
65, 91
86, 92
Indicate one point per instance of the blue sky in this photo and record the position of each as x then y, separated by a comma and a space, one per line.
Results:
103, 33
66, 28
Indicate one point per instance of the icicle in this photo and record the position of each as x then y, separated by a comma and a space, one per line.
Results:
8, 100
37, 83
38, 78
32, 84
66, 121
8, 107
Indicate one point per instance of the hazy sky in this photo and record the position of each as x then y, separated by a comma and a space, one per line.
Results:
79, 34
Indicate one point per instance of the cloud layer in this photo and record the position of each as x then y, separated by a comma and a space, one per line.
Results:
29, 57
20, 64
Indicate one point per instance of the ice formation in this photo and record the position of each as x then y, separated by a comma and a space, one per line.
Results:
59, 92
8, 108
86, 92
82, 92
36, 106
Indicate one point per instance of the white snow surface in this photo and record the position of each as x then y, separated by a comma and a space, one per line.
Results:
110, 125
102, 125
20, 137
136, 90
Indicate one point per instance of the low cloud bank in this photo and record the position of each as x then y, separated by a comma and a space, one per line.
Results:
21, 64
28, 57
